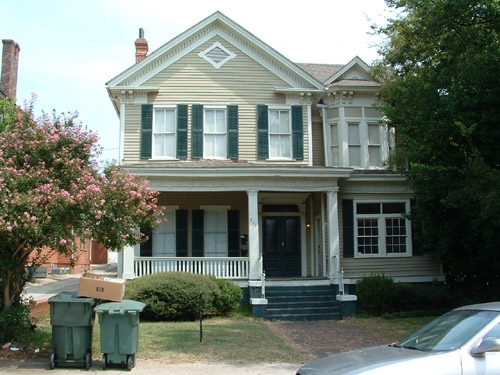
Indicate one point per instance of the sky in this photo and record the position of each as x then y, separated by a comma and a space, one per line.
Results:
71, 48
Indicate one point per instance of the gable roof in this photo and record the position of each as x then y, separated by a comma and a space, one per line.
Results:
215, 24
355, 73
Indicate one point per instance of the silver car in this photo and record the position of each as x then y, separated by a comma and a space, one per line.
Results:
465, 341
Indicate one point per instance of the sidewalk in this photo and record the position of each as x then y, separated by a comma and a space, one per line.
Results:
154, 367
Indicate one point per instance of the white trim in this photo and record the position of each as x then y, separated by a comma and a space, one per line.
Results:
217, 65
216, 207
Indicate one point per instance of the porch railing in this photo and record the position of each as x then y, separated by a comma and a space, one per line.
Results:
224, 268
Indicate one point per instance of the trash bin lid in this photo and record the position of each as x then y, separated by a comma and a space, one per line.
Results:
71, 297
125, 306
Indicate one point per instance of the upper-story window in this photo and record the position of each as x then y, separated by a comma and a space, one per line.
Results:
215, 133
164, 133
280, 132
359, 143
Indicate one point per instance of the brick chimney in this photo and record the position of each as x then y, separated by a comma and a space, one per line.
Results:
10, 62
141, 47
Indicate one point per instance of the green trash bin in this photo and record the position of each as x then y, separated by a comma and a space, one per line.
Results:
71, 318
119, 323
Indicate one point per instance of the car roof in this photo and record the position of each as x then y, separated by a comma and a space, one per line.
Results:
493, 306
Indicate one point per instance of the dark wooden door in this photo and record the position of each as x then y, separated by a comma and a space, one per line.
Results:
281, 246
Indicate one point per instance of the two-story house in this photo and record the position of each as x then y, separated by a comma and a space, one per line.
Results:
271, 172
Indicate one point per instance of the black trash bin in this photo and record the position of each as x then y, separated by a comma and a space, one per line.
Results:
119, 323
72, 320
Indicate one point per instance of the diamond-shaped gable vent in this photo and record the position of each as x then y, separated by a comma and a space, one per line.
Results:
217, 55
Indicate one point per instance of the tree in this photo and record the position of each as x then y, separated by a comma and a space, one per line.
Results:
51, 189
441, 83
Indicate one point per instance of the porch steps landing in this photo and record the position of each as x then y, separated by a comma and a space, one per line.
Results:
296, 303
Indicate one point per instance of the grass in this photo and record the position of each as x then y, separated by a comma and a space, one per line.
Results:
239, 338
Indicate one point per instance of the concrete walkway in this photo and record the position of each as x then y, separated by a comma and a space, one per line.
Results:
154, 367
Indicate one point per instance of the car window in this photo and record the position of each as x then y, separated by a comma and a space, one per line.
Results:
449, 331
493, 333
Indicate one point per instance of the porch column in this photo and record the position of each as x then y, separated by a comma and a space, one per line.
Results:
333, 234
127, 255
253, 236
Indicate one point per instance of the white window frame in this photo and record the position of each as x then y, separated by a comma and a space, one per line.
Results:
339, 131
288, 134
211, 248
206, 133
171, 155
382, 230
168, 230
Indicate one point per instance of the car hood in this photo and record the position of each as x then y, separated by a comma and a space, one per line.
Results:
385, 360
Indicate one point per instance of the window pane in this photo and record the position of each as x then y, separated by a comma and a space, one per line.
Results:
374, 134
220, 126
334, 134
367, 208
394, 208
274, 121
353, 134
368, 236
284, 122
395, 235
160, 125
374, 153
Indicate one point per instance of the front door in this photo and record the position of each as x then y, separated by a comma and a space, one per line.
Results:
281, 246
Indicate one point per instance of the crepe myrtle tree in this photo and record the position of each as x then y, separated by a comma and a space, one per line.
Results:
51, 190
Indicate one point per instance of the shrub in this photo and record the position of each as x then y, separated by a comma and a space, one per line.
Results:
175, 296
376, 294
15, 324
229, 296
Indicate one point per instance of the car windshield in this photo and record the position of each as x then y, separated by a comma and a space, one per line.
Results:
449, 331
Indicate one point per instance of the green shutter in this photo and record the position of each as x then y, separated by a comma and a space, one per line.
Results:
181, 233
416, 233
182, 128
233, 233
197, 131
232, 132
146, 131
348, 227
262, 132
146, 248
198, 233
297, 132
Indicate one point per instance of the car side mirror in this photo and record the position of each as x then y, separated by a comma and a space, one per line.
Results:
485, 346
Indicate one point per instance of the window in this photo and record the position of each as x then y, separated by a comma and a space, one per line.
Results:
280, 134
354, 144
374, 144
334, 144
164, 238
215, 228
381, 229
164, 133
215, 133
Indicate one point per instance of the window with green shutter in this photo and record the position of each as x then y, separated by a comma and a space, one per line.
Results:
232, 132
297, 133
262, 132
146, 131
197, 131
198, 233
182, 131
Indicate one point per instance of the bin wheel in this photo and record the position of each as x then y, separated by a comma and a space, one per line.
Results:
130, 363
88, 361
52, 361
104, 361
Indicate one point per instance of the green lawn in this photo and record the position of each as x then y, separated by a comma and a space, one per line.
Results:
242, 339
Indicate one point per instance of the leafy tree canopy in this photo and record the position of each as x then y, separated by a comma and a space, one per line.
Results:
441, 82
51, 190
